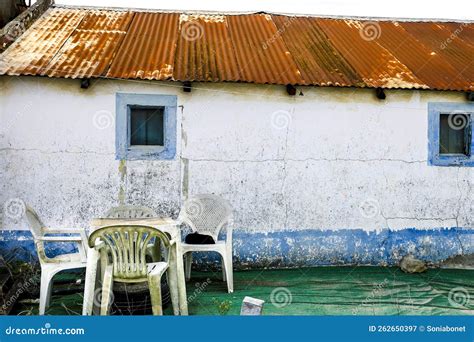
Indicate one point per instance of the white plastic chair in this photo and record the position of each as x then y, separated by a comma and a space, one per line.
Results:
208, 214
51, 266
125, 248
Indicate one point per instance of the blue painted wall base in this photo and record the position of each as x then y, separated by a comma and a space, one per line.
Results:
302, 248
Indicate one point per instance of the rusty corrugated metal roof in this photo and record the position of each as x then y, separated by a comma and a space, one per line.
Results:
261, 53
35, 49
319, 62
417, 56
258, 48
205, 51
453, 50
89, 50
463, 31
377, 66
148, 49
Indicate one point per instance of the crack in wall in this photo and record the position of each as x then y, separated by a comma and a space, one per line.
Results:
55, 152
284, 170
303, 160
284, 159
420, 218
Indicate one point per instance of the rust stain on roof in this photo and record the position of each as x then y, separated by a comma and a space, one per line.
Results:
90, 48
319, 62
453, 50
261, 53
40, 43
461, 31
257, 48
419, 58
205, 51
148, 49
375, 64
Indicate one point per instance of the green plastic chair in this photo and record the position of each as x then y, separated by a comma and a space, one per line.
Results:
137, 211
125, 250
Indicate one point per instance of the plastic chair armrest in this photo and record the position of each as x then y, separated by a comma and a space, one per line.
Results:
63, 230
60, 238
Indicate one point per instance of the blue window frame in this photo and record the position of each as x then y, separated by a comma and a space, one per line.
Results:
450, 138
145, 126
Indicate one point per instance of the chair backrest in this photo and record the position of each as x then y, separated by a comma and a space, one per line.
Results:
206, 214
36, 228
126, 246
130, 211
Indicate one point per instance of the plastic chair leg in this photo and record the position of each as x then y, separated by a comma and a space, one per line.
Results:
173, 286
223, 262
107, 287
89, 284
154, 284
189, 261
229, 272
45, 290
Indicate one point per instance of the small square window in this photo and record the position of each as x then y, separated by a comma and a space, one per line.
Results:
450, 138
453, 134
146, 126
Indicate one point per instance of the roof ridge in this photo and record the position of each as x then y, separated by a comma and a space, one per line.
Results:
323, 16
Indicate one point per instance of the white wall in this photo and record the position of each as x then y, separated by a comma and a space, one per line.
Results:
302, 162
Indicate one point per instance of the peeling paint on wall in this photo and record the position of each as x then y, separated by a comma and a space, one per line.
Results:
331, 159
310, 247
185, 179
123, 174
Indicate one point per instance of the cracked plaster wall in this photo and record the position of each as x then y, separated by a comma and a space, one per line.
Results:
334, 159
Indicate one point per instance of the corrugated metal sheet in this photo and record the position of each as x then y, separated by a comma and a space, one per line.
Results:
205, 51
420, 59
375, 64
89, 50
258, 48
40, 43
461, 31
455, 51
317, 59
148, 49
261, 53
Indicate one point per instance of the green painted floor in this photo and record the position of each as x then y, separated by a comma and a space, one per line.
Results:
318, 291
